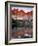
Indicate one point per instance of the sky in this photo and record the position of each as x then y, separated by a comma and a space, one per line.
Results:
26, 9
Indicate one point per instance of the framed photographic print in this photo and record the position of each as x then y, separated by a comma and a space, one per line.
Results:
20, 22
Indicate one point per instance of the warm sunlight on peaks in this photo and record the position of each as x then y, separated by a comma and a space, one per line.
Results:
21, 12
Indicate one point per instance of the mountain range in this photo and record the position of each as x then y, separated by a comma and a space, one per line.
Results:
21, 12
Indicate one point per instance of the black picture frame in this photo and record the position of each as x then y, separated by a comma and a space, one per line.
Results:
6, 22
